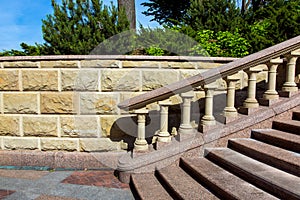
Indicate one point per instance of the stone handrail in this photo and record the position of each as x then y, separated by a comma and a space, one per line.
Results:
210, 76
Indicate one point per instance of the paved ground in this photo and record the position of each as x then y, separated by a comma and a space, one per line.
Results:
61, 185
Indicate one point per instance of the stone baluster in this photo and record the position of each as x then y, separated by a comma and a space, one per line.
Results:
271, 94
140, 143
164, 135
290, 86
208, 119
230, 110
251, 101
185, 126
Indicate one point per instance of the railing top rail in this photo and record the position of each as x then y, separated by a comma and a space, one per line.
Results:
211, 75
118, 57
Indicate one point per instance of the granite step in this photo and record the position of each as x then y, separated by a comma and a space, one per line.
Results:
274, 181
277, 157
278, 138
224, 184
182, 185
291, 126
146, 186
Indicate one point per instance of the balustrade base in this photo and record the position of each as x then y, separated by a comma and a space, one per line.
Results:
268, 102
247, 111
228, 118
205, 128
187, 135
160, 145
287, 94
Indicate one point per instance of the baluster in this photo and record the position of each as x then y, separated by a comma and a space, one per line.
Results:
271, 95
185, 126
290, 86
208, 119
230, 111
251, 103
164, 135
140, 143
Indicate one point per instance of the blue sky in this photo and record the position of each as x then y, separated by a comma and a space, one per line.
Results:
21, 21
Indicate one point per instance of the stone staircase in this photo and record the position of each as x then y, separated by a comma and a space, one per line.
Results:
264, 166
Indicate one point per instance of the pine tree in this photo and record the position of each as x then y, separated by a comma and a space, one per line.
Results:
78, 26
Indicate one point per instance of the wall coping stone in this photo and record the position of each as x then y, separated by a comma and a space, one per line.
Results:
119, 57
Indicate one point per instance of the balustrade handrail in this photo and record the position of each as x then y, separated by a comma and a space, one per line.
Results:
211, 75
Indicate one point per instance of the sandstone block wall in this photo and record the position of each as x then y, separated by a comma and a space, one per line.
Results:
61, 104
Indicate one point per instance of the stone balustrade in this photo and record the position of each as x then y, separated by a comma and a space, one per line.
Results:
287, 60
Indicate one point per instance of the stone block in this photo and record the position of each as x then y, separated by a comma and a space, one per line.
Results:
40, 126
107, 123
79, 126
9, 125
144, 64
40, 80
20, 143
125, 80
9, 79
81, 80
59, 64
183, 65
21, 64
20, 103
55, 102
98, 145
64, 144
98, 103
100, 63
188, 73
155, 79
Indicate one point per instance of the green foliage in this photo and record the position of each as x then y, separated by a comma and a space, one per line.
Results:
78, 26
27, 50
167, 12
155, 51
215, 15
222, 43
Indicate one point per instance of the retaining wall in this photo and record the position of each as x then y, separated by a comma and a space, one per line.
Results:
70, 102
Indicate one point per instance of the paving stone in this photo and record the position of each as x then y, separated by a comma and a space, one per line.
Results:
4, 193
96, 178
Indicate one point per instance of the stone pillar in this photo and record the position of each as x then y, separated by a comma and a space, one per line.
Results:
208, 118
290, 85
271, 93
251, 101
230, 110
140, 143
185, 126
164, 135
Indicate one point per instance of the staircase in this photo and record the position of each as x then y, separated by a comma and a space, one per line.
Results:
265, 166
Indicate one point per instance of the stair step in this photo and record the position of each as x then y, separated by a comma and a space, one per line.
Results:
277, 157
221, 182
270, 179
182, 185
148, 187
291, 126
278, 138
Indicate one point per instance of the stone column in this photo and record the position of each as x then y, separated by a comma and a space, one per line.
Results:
251, 101
140, 143
290, 85
208, 118
164, 135
185, 126
230, 110
271, 93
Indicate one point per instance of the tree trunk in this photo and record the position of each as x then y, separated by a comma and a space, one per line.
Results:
129, 6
